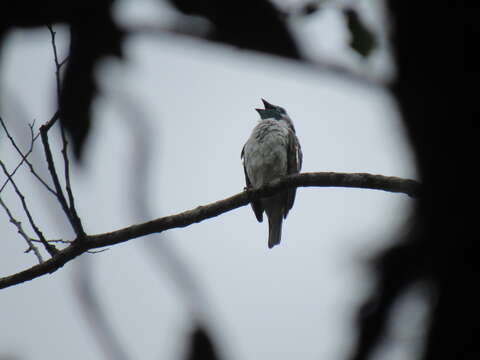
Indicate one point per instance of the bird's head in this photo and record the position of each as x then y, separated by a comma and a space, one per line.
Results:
272, 111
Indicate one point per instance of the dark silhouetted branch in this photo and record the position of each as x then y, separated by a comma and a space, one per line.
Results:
72, 212
49, 247
24, 157
21, 231
58, 65
200, 213
67, 209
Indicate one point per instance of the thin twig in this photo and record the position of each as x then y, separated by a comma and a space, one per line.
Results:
18, 224
64, 61
24, 156
72, 212
52, 250
55, 57
97, 251
60, 241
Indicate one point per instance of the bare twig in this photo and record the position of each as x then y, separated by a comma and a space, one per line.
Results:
200, 213
97, 251
60, 241
24, 156
69, 208
64, 61
18, 225
58, 65
52, 250
74, 221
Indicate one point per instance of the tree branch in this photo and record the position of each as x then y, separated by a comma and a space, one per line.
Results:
72, 217
18, 225
69, 208
49, 247
58, 65
24, 156
200, 213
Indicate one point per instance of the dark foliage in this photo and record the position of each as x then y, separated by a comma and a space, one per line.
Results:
250, 24
362, 39
434, 45
94, 36
201, 346
89, 43
253, 24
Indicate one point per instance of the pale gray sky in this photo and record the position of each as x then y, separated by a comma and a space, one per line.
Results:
295, 301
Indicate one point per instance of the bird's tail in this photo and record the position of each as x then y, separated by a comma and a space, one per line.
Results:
275, 220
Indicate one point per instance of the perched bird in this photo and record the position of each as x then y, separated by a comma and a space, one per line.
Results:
272, 151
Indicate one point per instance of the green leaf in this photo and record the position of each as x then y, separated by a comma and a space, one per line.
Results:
362, 39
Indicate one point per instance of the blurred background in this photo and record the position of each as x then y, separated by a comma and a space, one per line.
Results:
170, 122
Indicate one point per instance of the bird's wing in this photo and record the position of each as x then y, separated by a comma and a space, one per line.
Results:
294, 164
255, 203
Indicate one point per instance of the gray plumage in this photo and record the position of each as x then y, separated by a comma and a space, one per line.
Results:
272, 151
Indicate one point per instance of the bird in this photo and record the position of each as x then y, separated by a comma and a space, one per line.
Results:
271, 152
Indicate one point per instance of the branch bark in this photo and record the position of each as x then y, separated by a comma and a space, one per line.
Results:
200, 213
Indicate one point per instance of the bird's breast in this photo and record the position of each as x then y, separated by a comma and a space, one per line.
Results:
265, 155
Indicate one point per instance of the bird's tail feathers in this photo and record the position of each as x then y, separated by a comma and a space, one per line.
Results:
275, 220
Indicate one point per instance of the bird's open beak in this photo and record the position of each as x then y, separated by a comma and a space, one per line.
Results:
267, 104
260, 111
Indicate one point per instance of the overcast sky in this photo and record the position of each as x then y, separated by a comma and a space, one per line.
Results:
196, 102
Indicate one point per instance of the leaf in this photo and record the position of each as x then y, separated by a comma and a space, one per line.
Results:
362, 39
201, 346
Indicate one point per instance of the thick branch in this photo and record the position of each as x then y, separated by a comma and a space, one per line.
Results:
200, 213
